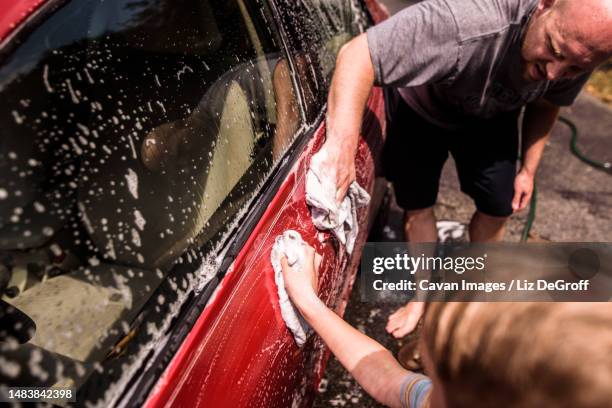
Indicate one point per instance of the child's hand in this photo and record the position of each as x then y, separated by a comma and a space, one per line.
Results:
301, 283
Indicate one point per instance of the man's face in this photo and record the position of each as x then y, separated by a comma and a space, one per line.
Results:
550, 51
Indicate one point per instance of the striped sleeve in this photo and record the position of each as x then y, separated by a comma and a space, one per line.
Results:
415, 391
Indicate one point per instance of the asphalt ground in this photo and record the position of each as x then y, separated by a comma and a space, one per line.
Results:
574, 205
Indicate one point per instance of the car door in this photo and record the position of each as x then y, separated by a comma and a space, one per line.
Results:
136, 137
239, 352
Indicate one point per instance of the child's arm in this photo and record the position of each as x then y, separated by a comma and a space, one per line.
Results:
372, 365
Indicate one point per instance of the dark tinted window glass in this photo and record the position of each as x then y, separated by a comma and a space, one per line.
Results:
317, 29
133, 133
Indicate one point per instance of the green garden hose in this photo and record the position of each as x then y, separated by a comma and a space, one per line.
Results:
573, 145
533, 203
604, 166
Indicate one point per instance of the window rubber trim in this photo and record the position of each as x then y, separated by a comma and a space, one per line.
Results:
27, 26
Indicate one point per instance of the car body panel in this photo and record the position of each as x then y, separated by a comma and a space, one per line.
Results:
14, 13
239, 353
378, 12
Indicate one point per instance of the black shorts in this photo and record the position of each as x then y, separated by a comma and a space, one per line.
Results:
485, 153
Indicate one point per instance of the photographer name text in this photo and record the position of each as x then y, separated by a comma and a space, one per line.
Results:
521, 285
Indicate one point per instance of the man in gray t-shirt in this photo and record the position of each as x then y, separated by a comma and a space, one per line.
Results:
456, 59
459, 72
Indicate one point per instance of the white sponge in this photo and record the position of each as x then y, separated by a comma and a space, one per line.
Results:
291, 245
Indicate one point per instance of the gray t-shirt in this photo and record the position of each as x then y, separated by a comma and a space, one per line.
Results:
456, 59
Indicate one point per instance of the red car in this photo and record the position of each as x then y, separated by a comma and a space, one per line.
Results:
150, 153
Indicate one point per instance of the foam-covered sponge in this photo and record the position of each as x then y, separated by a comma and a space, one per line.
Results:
291, 245
327, 214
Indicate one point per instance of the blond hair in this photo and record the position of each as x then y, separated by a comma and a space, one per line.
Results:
522, 354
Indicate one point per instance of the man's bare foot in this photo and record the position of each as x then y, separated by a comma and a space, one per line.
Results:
405, 319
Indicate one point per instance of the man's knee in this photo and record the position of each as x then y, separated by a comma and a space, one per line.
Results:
420, 225
492, 220
487, 228
418, 215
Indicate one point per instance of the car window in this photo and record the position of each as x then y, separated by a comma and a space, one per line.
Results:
316, 31
134, 132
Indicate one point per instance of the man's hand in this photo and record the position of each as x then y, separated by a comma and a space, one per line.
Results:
538, 121
338, 164
523, 190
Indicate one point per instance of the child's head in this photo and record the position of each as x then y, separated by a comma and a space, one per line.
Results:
521, 354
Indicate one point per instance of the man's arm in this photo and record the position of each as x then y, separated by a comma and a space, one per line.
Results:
351, 84
538, 121
372, 365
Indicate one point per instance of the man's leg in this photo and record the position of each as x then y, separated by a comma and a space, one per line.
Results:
414, 154
419, 226
487, 228
485, 157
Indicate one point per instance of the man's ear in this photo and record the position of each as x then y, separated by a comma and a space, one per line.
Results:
545, 4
